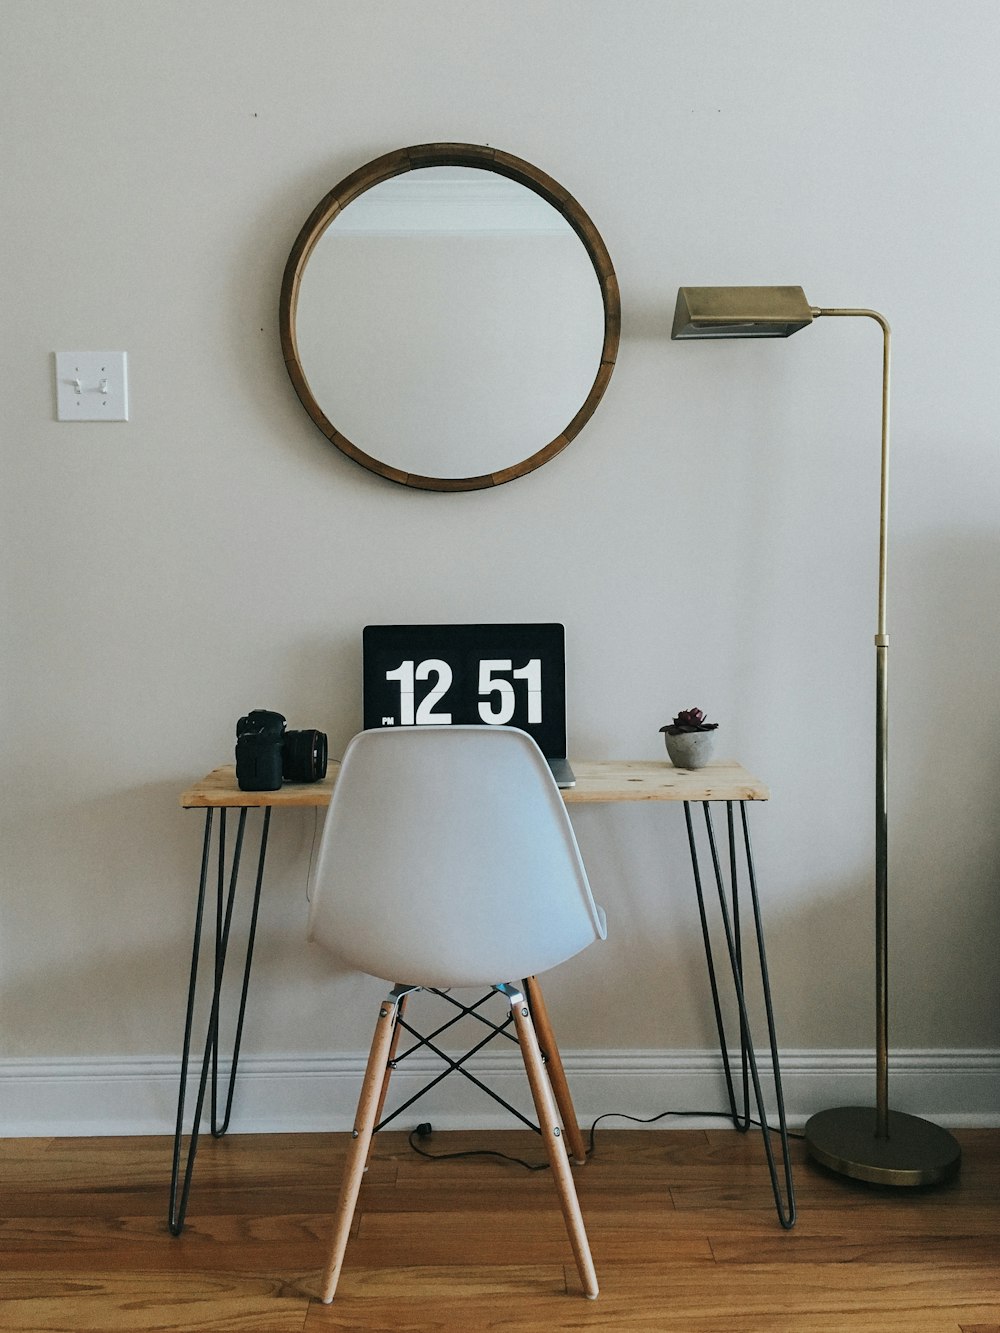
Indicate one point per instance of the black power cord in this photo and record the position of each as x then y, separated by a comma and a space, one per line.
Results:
704, 1115
425, 1130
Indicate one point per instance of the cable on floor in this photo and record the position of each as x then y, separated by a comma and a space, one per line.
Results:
425, 1130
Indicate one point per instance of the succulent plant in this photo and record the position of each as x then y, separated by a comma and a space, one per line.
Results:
688, 719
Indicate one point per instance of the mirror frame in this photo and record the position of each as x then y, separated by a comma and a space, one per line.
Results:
448, 155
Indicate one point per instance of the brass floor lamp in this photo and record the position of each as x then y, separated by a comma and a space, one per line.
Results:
878, 1145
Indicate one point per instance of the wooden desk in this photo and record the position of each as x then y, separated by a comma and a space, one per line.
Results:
598, 782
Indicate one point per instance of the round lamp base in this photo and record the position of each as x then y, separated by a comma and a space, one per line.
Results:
916, 1152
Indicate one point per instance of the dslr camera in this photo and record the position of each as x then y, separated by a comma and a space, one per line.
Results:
266, 753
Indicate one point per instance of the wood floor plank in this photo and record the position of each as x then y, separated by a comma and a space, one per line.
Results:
527, 1298
264, 1245
617, 1237
682, 1226
98, 1302
957, 1251
234, 1162
722, 1192
152, 1202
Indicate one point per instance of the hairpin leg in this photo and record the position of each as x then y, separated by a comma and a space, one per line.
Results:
731, 923
225, 902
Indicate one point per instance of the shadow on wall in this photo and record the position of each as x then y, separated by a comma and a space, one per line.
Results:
651, 972
944, 829
945, 774
103, 930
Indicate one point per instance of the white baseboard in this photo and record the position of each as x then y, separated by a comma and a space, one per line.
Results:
42, 1098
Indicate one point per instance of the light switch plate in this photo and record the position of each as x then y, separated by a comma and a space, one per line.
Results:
91, 386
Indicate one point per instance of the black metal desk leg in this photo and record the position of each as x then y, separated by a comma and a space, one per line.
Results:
210, 1057
217, 1129
785, 1206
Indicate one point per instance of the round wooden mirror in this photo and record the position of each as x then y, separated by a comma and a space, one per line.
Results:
449, 317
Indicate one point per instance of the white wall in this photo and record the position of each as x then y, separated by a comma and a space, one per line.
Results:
709, 539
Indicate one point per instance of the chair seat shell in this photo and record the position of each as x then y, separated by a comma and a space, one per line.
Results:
448, 859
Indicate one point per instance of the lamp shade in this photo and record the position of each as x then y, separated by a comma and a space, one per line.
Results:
740, 312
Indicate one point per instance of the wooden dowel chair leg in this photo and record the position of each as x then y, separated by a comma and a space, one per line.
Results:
396, 1031
357, 1155
555, 1146
554, 1068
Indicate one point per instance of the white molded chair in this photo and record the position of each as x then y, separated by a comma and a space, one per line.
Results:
448, 859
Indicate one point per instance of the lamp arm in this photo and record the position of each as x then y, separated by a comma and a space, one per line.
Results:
881, 757
881, 635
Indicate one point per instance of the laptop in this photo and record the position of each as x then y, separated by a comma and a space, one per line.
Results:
442, 675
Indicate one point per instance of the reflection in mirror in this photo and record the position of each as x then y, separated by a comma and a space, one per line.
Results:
447, 324
452, 320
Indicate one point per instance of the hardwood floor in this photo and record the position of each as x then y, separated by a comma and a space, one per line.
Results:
681, 1224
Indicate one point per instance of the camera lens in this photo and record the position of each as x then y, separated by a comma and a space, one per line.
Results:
304, 756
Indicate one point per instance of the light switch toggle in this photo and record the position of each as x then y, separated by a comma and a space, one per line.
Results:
91, 386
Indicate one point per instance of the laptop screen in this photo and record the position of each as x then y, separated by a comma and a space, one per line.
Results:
436, 675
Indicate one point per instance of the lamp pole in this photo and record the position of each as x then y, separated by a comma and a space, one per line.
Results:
882, 1146
894, 1148
881, 749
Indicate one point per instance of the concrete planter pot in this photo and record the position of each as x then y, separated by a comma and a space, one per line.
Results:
690, 749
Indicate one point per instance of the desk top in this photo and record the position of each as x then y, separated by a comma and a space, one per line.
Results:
597, 781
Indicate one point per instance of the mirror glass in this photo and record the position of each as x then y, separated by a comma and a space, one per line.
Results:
448, 325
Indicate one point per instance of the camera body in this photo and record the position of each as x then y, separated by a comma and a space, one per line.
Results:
267, 754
